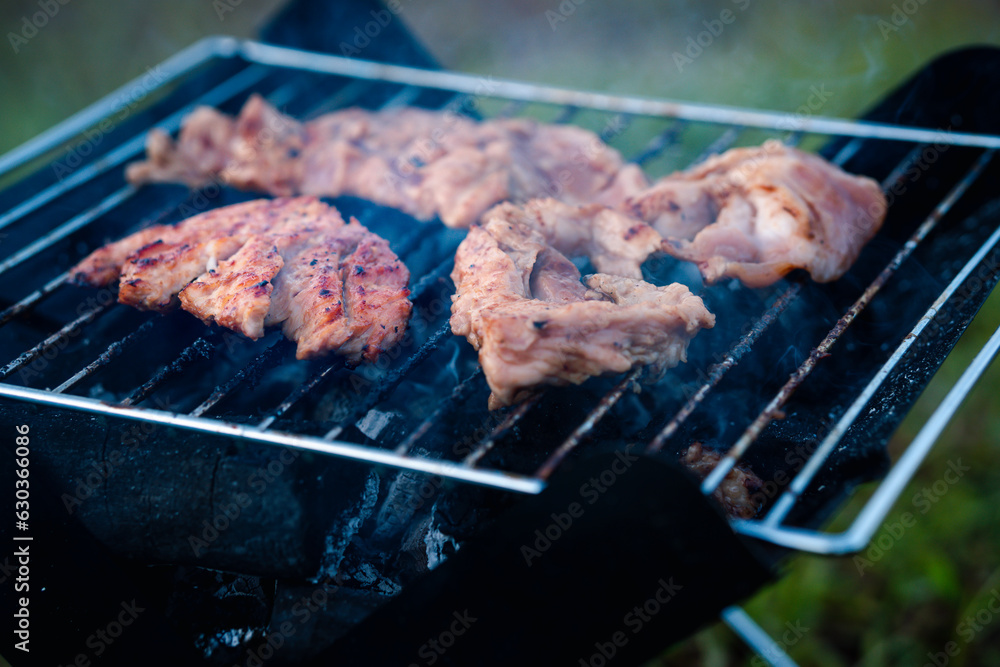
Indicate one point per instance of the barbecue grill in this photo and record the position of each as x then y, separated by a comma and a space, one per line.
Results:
268, 506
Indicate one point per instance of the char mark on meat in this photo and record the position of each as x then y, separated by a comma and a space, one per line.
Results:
332, 287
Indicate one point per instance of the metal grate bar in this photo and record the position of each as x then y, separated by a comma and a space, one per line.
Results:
447, 404
665, 138
402, 98
517, 90
106, 357
822, 350
240, 82
427, 280
201, 348
849, 150
871, 517
296, 395
514, 416
69, 329
718, 371
566, 115
171, 69
725, 140
391, 380
743, 625
347, 450
29, 301
67, 228
256, 365
35, 297
805, 476
584, 429
350, 91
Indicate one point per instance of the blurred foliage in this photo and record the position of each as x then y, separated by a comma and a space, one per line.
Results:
913, 598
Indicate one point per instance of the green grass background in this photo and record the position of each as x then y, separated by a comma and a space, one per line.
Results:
912, 600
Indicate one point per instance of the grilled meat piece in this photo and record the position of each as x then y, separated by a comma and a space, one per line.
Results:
758, 213
152, 277
738, 492
346, 292
202, 150
614, 242
333, 287
237, 293
750, 213
520, 302
154, 264
427, 163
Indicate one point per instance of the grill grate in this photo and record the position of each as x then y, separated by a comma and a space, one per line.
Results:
262, 68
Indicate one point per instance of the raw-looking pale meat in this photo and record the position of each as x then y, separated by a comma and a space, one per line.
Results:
758, 213
751, 213
520, 302
426, 163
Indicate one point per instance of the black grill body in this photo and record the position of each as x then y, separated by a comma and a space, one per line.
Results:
154, 513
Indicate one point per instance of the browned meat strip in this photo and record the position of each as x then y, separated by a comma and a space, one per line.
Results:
103, 266
152, 276
739, 492
346, 291
758, 213
333, 287
237, 294
426, 163
146, 247
521, 304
